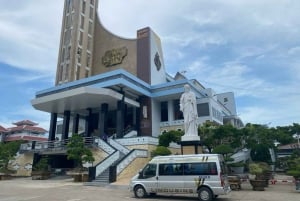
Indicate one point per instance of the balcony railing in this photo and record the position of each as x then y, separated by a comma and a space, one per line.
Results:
55, 145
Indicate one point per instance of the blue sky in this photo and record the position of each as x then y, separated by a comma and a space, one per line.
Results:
251, 48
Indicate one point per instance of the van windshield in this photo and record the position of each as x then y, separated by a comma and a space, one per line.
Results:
148, 171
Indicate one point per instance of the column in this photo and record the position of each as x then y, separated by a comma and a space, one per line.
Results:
52, 129
138, 120
88, 126
66, 124
120, 118
75, 123
102, 125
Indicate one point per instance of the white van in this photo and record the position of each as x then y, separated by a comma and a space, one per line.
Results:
202, 174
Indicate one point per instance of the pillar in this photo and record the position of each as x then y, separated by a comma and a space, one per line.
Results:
102, 125
66, 124
75, 123
120, 118
88, 126
52, 129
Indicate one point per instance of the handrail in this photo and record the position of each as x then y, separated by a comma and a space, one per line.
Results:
106, 163
133, 154
51, 145
118, 146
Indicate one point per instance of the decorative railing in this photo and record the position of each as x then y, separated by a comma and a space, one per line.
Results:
51, 145
129, 158
106, 163
119, 147
137, 141
104, 146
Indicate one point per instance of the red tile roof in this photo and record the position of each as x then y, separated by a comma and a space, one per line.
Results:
2, 129
27, 128
26, 138
25, 122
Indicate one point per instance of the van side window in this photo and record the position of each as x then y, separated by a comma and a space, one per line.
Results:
206, 168
149, 171
170, 169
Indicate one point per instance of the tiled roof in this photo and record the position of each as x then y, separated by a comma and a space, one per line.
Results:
25, 122
26, 138
288, 146
2, 129
27, 128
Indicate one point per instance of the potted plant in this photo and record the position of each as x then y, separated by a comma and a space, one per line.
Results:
294, 170
40, 170
259, 182
77, 151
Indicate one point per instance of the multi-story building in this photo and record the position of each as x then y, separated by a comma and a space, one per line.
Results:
111, 83
25, 130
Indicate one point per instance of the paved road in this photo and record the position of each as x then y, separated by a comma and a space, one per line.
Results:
25, 189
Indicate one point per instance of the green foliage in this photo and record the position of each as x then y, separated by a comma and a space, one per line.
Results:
170, 136
77, 151
260, 153
7, 152
259, 169
294, 167
223, 149
161, 151
42, 165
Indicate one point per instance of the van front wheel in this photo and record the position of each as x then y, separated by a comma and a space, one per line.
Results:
204, 194
139, 191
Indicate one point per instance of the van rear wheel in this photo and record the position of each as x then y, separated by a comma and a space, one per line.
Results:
204, 194
139, 191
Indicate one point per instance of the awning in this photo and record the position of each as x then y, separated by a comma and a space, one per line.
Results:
79, 99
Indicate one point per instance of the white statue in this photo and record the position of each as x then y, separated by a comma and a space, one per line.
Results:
188, 106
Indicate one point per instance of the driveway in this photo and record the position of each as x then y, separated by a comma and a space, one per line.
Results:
64, 189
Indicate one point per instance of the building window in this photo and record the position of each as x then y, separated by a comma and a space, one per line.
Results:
68, 54
83, 7
89, 43
88, 59
92, 2
66, 73
67, 38
80, 38
225, 100
63, 55
203, 109
177, 113
164, 111
78, 73
90, 28
81, 22
87, 72
79, 55
91, 12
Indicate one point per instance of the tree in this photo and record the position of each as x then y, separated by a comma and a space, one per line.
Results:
161, 151
223, 149
77, 151
170, 136
7, 153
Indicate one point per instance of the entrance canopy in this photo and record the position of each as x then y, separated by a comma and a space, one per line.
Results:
79, 99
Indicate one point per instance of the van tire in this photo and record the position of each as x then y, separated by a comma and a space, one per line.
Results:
205, 194
139, 191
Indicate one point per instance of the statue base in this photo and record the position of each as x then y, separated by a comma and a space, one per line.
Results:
190, 138
191, 147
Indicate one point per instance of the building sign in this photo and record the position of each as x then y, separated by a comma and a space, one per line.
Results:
114, 56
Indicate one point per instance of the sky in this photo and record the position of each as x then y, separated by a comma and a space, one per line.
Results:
251, 48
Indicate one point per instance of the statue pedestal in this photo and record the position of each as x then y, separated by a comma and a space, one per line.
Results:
191, 147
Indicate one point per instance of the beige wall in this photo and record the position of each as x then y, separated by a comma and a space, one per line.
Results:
22, 161
105, 41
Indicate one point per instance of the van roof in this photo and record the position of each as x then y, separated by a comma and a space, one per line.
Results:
187, 158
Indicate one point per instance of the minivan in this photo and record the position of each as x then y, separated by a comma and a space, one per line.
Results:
201, 174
